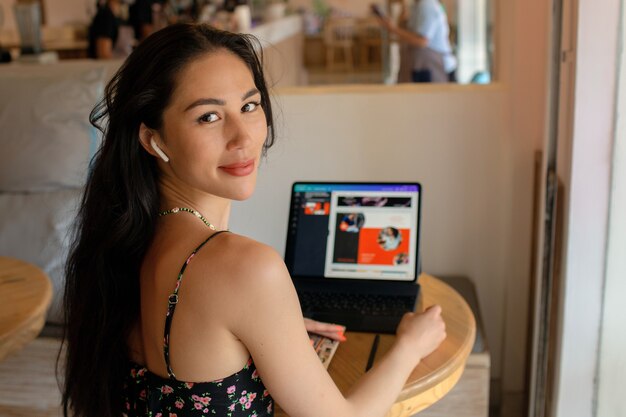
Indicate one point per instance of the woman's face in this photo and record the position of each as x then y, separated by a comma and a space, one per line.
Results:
214, 127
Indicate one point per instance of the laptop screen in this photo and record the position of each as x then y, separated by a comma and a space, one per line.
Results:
354, 231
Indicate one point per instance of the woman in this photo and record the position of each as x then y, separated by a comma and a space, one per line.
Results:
428, 36
188, 117
104, 30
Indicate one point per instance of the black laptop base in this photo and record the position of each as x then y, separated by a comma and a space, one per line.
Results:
359, 323
365, 308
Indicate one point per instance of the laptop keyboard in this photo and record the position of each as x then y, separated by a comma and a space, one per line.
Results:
362, 304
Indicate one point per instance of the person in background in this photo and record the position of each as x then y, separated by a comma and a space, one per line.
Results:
428, 34
167, 312
140, 18
104, 30
179, 11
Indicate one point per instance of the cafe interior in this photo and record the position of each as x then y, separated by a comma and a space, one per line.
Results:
319, 42
519, 160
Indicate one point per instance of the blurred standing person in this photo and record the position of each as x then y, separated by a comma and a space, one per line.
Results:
140, 17
428, 35
104, 29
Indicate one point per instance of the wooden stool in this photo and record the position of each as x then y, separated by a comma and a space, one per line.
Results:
370, 42
339, 36
26, 292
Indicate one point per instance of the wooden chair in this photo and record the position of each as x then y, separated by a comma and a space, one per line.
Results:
339, 34
370, 42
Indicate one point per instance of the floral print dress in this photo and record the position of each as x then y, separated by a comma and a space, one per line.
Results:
146, 394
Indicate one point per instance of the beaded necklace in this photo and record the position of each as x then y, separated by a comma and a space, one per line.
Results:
188, 210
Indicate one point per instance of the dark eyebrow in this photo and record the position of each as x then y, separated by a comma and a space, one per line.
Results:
205, 101
250, 94
217, 101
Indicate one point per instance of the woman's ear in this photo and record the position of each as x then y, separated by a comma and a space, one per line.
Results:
148, 139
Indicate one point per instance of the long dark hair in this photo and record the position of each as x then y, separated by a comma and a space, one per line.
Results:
117, 216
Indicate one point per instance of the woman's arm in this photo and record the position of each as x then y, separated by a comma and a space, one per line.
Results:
104, 48
415, 332
404, 35
268, 320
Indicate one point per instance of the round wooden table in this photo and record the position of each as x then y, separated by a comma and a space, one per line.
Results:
436, 374
26, 292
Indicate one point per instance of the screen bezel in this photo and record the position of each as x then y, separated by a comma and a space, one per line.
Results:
290, 242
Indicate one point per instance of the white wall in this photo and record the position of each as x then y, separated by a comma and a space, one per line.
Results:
588, 186
612, 364
453, 140
612, 372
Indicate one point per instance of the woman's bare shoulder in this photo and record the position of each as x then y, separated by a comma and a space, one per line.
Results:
240, 260
242, 251
238, 274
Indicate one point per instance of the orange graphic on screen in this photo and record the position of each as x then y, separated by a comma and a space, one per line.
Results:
383, 246
317, 208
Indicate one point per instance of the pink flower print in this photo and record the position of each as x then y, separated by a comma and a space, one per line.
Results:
265, 393
195, 397
242, 400
244, 392
141, 372
189, 385
230, 389
127, 405
158, 415
179, 404
173, 415
206, 410
205, 400
142, 394
252, 396
231, 407
247, 405
198, 406
133, 372
255, 374
166, 389
269, 408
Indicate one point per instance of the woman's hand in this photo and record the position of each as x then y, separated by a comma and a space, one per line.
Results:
332, 331
422, 333
385, 22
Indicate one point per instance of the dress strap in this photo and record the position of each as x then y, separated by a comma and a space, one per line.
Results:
171, 306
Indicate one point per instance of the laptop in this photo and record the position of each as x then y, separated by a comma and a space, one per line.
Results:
353, 251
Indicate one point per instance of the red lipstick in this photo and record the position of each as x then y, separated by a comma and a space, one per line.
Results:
239, 169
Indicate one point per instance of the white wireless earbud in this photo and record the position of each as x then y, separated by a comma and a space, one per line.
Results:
159, 151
